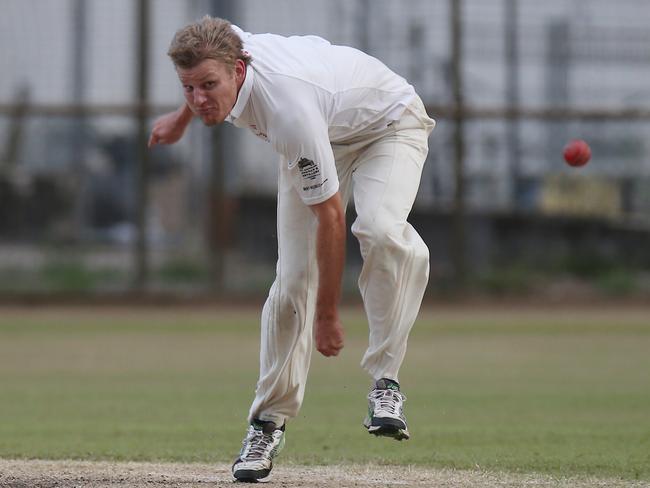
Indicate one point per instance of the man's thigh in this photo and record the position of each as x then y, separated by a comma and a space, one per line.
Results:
387, 175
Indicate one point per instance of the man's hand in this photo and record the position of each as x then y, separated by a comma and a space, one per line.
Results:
169, 128
329, 336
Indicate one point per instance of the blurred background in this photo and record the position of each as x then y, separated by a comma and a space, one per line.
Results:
85, 208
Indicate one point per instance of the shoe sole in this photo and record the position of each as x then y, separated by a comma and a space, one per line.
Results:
390, 431
250, 476
393, 428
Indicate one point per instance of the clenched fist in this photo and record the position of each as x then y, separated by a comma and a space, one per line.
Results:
329, 336
170, 127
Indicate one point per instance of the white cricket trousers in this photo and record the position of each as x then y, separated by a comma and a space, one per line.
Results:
381, 170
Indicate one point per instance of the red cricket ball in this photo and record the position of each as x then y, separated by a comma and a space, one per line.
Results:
577, 153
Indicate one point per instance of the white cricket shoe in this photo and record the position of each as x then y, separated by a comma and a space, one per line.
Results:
386, 411
262, 443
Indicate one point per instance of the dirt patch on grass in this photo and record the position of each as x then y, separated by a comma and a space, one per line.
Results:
75, 474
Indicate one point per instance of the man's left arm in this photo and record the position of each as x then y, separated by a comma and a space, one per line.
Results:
330, 252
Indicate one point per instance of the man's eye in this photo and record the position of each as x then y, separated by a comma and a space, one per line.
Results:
209, 84
188, 89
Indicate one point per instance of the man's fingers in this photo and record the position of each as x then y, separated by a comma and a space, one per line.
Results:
329, 353
332, 350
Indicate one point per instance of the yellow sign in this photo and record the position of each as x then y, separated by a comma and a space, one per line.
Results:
580, 196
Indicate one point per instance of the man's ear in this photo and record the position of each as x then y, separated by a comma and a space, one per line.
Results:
240, 70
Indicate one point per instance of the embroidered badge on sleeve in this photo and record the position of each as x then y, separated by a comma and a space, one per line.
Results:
309, 172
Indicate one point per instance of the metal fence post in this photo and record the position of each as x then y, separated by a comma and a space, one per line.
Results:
512, 100
458, 239
141, 245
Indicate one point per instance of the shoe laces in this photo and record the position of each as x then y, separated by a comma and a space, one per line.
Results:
257, 443
388, 400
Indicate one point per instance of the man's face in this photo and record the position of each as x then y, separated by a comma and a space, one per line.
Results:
211, 88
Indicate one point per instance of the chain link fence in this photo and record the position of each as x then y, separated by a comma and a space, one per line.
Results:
532, 76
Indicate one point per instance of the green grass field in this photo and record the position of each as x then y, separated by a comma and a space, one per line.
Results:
564, 391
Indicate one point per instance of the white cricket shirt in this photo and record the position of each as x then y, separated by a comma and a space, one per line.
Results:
302, 94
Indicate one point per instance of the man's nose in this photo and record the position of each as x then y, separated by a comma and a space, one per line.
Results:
199, 97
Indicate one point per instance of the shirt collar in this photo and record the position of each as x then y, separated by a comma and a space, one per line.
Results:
243, 96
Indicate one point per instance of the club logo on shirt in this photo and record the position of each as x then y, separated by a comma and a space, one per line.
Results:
308, 169
310, 172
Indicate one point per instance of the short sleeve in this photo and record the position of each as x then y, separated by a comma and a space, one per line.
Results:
301, 136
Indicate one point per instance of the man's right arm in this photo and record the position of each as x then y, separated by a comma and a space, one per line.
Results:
170, 127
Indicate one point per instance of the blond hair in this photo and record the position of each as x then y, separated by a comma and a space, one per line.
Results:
209, 38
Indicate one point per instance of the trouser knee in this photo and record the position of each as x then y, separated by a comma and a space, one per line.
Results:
385, 238
288, 296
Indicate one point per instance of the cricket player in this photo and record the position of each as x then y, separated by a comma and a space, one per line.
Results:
344, 126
